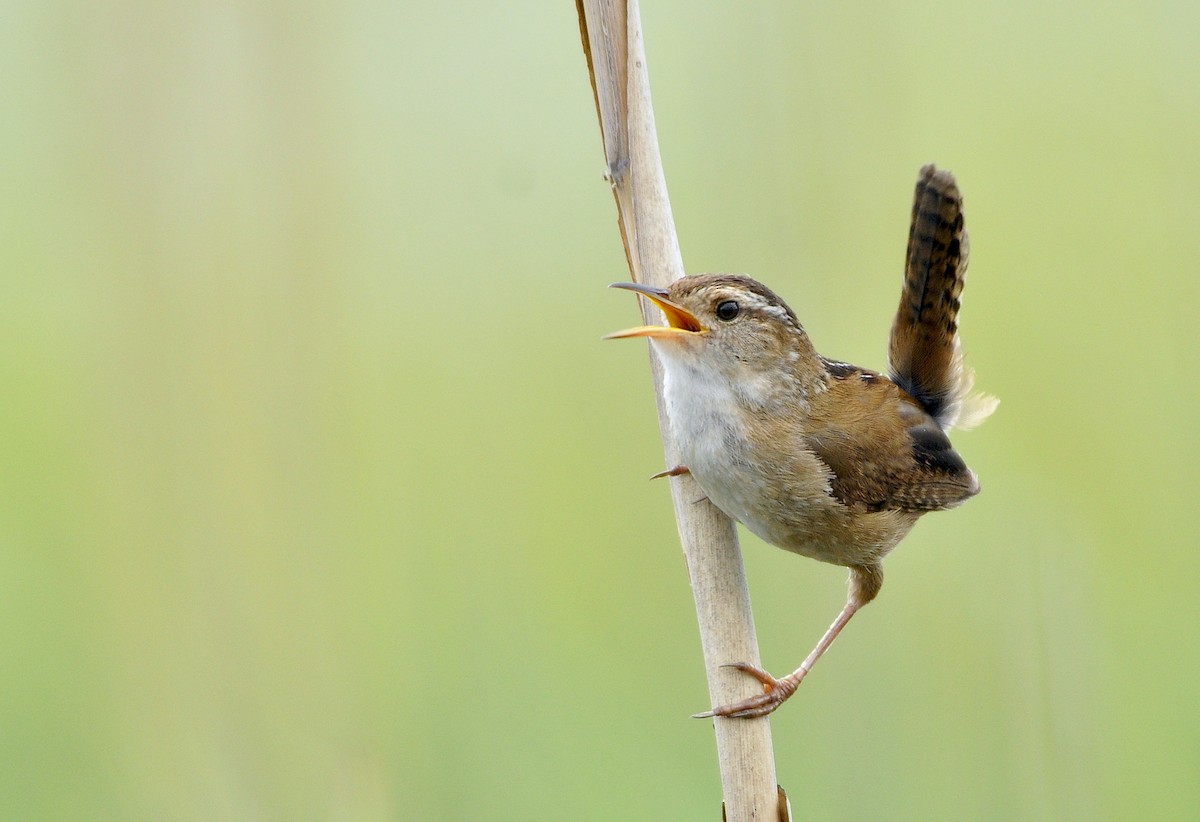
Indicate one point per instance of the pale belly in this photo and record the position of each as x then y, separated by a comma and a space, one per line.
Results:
781, 493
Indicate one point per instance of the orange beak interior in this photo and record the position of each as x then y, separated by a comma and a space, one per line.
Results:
679, 319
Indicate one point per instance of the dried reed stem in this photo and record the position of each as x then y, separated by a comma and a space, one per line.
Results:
612, 41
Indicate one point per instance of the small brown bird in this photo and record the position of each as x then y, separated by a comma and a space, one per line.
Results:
827, 459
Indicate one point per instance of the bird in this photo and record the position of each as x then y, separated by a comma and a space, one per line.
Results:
829, 460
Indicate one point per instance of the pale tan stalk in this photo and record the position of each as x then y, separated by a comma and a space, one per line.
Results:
612, 41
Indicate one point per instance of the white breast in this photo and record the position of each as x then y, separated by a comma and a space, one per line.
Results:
792, 511
703, 408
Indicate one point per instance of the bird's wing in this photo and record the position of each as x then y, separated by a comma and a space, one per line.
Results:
884, 451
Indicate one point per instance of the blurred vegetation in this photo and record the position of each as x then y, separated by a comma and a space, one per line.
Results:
322, 498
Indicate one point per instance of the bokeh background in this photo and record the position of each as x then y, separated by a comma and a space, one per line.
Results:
322, 498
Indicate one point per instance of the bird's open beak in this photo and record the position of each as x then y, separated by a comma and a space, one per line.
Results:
679, 319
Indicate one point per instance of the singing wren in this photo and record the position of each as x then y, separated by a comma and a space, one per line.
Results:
826, 459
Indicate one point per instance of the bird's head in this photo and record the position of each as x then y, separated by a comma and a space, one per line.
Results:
727, 323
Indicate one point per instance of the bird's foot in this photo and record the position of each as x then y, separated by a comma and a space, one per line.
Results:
775, 693
678, 470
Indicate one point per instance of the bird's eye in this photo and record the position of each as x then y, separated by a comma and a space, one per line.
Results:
727, 310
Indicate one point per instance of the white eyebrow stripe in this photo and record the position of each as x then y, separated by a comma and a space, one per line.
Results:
761, 303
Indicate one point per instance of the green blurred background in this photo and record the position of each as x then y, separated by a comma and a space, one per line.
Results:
322, 498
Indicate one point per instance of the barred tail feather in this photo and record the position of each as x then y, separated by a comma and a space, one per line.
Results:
925, 353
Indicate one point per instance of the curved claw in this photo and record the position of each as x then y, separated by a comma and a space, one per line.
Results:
775, 693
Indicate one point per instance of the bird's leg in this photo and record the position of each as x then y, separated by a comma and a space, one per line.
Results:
864, 584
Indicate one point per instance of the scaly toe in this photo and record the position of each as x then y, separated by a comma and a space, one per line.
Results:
775, 693
769, 682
